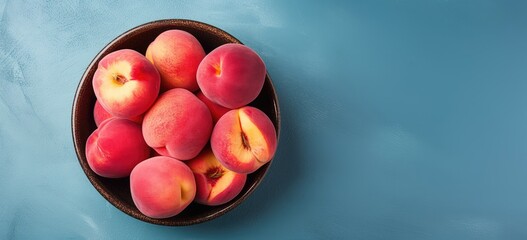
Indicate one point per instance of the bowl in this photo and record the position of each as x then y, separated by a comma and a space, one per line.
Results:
117, 191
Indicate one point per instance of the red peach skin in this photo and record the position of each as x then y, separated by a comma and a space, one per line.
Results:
162, 187
176, 54
244, 139
178, 124
232, 75
125, 83
116, 147
216, 110
100, 114
215, 184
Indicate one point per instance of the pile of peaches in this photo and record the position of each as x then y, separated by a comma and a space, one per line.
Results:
177, 122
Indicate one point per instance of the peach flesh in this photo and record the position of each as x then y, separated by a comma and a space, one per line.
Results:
215, 184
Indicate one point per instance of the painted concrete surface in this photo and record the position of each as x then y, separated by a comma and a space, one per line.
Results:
400, 119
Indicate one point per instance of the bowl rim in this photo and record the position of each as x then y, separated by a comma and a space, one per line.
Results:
175, 24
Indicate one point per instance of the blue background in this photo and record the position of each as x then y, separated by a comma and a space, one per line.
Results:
400, 119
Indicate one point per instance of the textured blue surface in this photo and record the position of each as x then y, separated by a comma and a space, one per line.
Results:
401, 119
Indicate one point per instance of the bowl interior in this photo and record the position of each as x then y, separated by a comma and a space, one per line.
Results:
117, 191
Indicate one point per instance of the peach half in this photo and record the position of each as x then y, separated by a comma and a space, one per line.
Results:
176, 54
178, 124
215, 184
244, 139
116, 147
125, 83
162, 187
232, 75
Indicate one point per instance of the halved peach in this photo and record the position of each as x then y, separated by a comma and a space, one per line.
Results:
244, 139
215, 184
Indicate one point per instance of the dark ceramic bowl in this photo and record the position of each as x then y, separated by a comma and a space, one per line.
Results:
117, 191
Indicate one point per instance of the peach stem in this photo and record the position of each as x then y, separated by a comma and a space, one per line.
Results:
120, 79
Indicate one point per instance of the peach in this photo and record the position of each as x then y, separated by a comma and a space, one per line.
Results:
116, 147
215, 184
178, 124
232, 75
100, 114
176, 54
244, 139
125, 83
162, 187
215, 110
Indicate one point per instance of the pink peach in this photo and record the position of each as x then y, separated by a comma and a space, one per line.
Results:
100, 114
162, 187
125, 83
178, 124
244, 139
176, 54
116, 147
216, 110
232, 75
215, 184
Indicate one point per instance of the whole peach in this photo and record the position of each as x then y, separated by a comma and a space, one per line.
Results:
116, 147
176, 54
178, 124
232, 75
162, 187
125, 83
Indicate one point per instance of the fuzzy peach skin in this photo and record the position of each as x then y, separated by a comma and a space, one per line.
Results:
232, 75
125, 83
176, 54
116, 147
100, 114
162, 187
215, 184
215, 110
244, 139
178, 124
